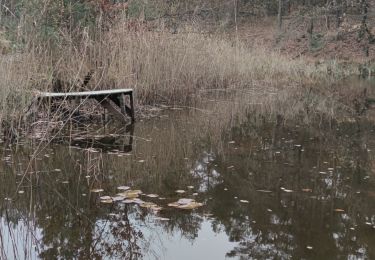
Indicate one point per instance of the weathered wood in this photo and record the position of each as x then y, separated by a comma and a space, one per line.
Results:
113, 100
87, 93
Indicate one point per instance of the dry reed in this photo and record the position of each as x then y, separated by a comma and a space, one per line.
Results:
162, 67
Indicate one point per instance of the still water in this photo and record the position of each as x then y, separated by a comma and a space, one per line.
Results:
269, 191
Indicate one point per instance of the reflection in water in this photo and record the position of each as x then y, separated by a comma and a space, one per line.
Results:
269, 192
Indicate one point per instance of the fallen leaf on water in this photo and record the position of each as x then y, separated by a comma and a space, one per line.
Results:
148, 205
185, 201
264, 191
123, 188
107, 201
185, 204
118, 198
244, 201
180, 191
130, 194
192, 205
288, 190
152, 195
339, 210
97, 190
156, 209
173, 204
134, 200
161, 219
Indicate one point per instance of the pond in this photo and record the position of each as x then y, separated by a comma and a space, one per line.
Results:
267, 191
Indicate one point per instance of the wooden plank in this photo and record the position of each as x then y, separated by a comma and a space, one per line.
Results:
107, 105
86, 93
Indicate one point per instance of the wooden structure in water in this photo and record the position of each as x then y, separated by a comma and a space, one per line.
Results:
113, 100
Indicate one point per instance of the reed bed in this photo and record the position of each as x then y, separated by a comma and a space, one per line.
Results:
162, 67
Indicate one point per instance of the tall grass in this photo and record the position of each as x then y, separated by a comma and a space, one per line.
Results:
162, 67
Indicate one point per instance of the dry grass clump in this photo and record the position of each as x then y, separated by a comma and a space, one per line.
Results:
162, 67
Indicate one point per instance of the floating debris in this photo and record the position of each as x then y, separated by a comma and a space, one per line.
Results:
185, 204
244, 201
269, 210
185, 201
309, 247
180, 191
97, 190
265, 191
130, 194
131, 201
286, 190
307, 190
123, 188
21, 192
226, 189
148, 205
152, 195
190, 187
161, 219
141, 161
195, 194
65, 182
118, 198
106, 199
231, 142
339, 210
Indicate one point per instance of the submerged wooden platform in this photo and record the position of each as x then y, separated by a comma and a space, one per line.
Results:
114, 100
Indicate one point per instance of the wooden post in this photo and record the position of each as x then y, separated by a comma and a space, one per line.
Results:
132, 107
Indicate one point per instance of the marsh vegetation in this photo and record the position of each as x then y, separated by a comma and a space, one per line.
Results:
254, 135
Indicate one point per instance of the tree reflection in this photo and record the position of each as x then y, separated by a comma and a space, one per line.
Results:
319, 204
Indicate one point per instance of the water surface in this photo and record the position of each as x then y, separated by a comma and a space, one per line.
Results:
270, 191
